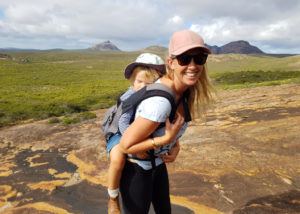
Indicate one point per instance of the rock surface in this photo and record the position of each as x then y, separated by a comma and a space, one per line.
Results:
244, 158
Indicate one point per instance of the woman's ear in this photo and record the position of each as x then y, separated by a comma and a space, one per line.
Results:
170, 63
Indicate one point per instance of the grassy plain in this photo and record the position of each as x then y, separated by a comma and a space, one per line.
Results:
43, 84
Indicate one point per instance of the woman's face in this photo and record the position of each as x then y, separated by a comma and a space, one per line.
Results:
188, 67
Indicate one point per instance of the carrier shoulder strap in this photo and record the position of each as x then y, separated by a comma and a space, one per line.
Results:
152, 90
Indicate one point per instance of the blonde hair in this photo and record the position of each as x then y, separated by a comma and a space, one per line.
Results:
150, 73
200, 95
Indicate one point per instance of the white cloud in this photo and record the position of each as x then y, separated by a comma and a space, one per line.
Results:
275, 35
212, 32
133, 24
26, 14
275, 30
176, 20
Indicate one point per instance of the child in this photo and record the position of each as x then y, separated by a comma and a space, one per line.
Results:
145, 70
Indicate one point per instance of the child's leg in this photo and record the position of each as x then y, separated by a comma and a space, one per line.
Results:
117, 162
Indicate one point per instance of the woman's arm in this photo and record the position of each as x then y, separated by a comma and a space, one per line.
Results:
136, 137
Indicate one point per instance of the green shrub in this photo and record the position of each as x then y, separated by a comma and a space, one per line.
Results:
70, 120
76, 118
53, 120
87, 115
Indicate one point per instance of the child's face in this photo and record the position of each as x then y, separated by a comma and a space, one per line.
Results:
141, 80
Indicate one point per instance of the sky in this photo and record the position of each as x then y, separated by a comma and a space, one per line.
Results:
271, 25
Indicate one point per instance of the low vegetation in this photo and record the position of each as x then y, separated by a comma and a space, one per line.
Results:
255, 78
73, 118
51, 84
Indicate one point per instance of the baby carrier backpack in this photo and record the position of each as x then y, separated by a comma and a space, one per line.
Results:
110, 122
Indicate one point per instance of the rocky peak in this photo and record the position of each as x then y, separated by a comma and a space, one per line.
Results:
105, 46
239, 47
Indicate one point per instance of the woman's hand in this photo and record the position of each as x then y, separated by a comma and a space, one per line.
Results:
172, 154
172, 129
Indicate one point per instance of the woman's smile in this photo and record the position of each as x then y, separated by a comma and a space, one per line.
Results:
192, 74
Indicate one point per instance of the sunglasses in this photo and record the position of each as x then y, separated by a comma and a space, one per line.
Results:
185, 59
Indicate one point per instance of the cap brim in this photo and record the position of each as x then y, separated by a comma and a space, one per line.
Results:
129, 69
186, 48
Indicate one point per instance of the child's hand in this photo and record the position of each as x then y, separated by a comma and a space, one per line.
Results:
172, 129
142, 155
172, 154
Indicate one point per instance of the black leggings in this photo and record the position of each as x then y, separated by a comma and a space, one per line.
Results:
140, 187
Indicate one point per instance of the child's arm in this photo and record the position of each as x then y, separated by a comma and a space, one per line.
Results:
172, 154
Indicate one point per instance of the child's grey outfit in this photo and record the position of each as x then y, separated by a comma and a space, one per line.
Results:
124, 122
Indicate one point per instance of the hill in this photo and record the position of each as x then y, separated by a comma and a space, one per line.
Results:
105, 46
155, 48
34, 83
238, 47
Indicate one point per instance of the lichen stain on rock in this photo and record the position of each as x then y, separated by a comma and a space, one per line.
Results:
31, 162
46, 185
87, 170
197, 208
39, 207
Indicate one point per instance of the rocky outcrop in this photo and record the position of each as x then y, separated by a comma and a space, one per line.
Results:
105, 46
244, 158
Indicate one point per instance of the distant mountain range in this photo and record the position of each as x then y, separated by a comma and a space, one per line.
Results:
238, 47
28, 49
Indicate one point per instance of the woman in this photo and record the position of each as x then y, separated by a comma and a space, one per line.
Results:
143, 182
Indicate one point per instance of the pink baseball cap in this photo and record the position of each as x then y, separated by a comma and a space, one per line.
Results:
182, 41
